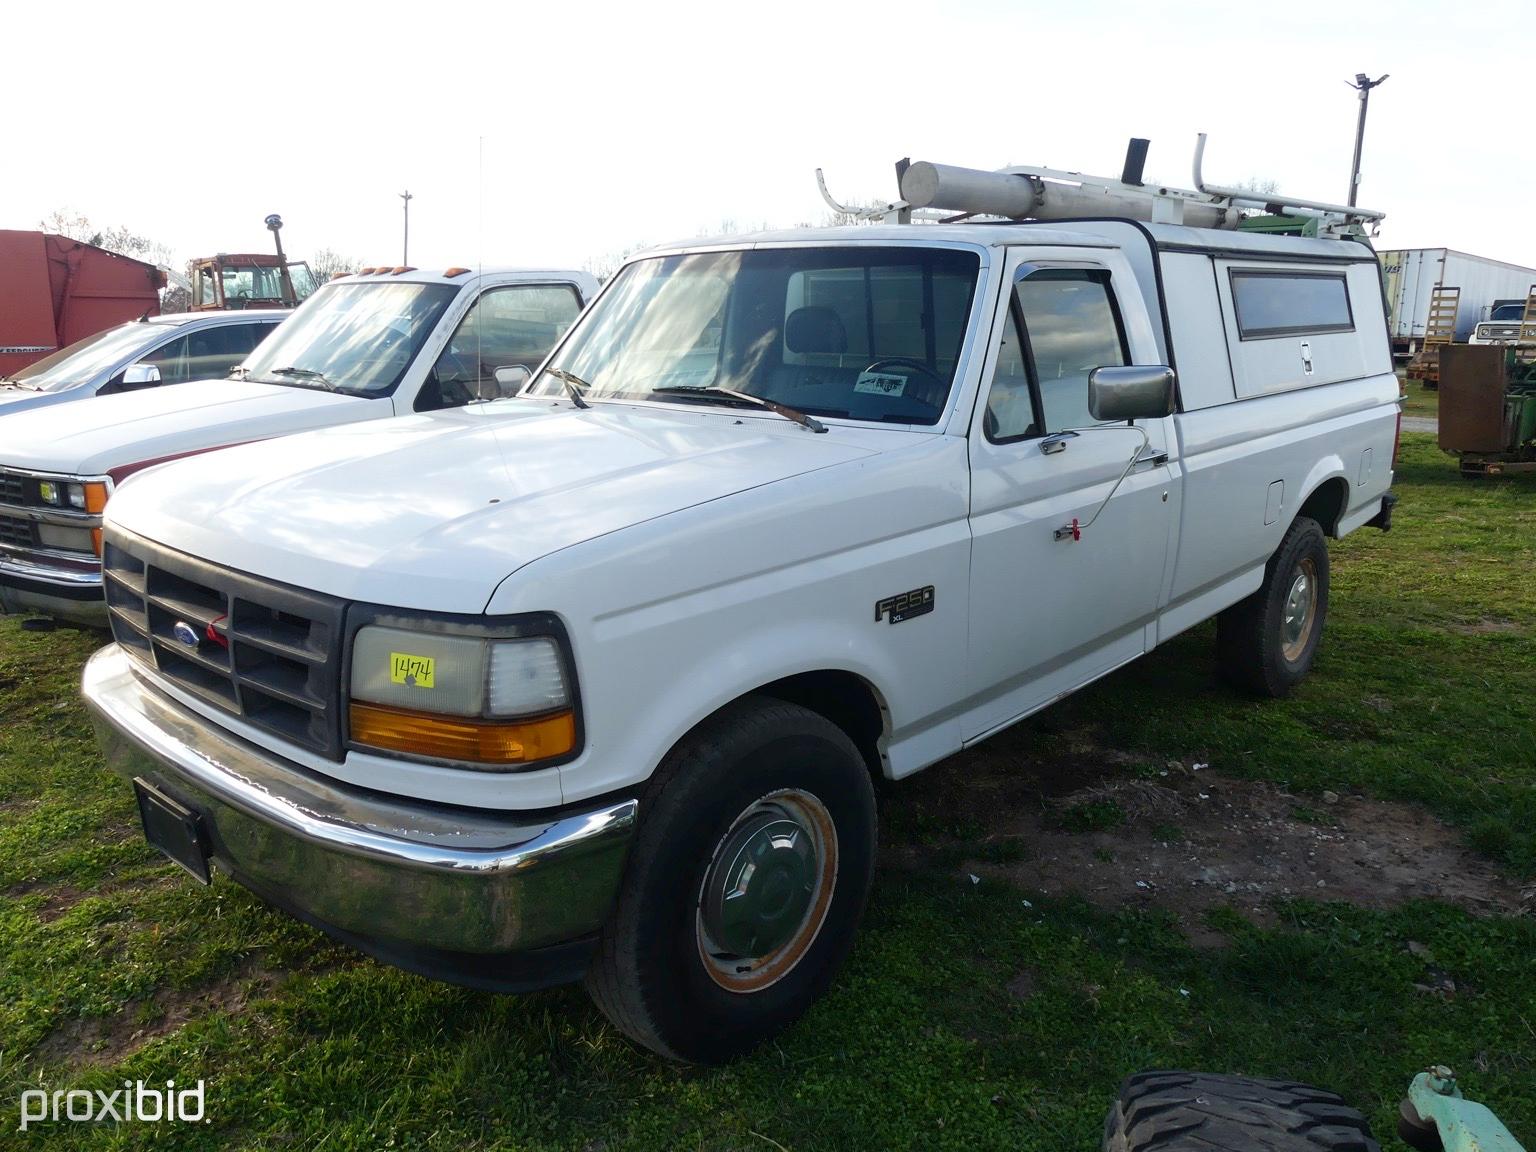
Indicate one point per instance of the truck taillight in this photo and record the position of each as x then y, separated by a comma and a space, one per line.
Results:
1397, 438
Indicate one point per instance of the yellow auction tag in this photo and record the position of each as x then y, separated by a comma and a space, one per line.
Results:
412, 671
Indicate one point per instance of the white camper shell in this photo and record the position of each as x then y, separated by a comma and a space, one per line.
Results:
594, 680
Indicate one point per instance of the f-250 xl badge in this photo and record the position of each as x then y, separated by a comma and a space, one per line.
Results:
918, 602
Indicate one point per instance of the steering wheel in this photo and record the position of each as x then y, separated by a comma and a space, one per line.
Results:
941, 386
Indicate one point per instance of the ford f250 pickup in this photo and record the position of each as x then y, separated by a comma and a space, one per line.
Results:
596, 681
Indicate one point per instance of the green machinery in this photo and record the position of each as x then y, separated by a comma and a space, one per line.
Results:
1488, 408
1437, 1116
1204, 1112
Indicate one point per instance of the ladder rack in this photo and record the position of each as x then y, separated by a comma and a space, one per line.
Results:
944, 192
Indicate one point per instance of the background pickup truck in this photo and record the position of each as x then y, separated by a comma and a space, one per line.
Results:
596, 680
361, 348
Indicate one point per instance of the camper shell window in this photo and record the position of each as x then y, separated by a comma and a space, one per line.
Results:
1290, 303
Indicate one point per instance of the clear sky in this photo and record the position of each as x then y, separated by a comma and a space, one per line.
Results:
559, 134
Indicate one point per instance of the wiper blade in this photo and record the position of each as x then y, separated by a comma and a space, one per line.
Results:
774, 406
305, 374
574, 384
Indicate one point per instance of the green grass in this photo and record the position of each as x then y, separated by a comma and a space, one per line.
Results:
1419, 400
1423, 692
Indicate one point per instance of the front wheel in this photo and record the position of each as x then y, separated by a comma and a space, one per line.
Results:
1266, 643
747, 878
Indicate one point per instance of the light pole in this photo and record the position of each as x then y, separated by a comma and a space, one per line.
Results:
404, 248
1363, 86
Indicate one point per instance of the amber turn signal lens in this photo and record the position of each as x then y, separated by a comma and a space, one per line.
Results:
95, 497
96, 541
453, 738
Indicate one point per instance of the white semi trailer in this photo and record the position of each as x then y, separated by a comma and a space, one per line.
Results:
1411, 276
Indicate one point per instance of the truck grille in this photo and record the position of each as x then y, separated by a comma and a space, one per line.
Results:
11, 489
265, 652
14, 530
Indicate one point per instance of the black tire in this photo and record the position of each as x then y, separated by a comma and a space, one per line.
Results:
657, 974
1197, 1112
1252, 645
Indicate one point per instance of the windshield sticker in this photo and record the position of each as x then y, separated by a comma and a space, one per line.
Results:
880, 383
412, 671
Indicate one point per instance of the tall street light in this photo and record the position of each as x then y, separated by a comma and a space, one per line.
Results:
406, 198
1363, 86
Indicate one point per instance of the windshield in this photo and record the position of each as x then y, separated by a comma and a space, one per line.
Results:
865, 333
357, 337
85, 358
1508, 312
243, 282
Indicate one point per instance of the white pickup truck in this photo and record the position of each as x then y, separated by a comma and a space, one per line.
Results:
381, 343
595, 681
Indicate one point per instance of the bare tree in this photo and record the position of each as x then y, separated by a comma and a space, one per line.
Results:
1259, 187
121, 239
603, 267
327, 264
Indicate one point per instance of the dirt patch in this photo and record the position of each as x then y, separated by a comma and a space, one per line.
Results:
106, 1040
1487, 626
56, 899
1190, 839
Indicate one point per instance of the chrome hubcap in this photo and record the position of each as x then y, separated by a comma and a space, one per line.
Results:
766, 891
1300, 610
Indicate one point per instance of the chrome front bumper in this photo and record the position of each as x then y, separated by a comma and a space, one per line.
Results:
444, 891
57, 584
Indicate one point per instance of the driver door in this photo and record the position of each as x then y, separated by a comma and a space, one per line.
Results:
1049, 614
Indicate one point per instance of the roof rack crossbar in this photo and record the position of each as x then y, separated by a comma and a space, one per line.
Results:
936, 191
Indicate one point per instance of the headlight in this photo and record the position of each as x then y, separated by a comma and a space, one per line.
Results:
88, 496
479, 701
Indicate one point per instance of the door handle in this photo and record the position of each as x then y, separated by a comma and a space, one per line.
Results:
1155, 458
1056, 442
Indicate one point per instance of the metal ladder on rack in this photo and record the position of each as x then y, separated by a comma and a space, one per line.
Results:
1439, 330
1525, 341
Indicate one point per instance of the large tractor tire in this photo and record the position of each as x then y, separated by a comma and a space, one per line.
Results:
1198, 1112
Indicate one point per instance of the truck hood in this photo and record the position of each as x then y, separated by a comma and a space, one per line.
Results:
434, 511
14, 400
93, 436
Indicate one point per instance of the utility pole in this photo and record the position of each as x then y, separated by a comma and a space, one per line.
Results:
1363, 86
406, 198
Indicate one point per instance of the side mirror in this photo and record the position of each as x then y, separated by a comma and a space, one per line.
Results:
140, 375
1132, 392
511, 379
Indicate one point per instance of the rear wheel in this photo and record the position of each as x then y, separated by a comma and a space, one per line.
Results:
747, 878
1266, 643
1196, 1112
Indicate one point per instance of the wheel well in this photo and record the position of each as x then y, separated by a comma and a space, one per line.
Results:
843, 698
1326, 504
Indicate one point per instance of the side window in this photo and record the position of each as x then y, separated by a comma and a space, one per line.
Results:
518, 324
212, 352
1010, 407
171, 359
1290, 303
1073, 328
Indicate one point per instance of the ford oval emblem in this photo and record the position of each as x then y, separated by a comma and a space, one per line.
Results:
186, 634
